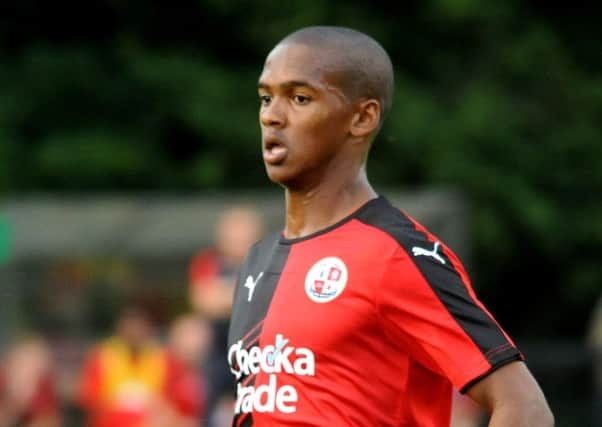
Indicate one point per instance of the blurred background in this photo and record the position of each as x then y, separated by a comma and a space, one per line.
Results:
128, 134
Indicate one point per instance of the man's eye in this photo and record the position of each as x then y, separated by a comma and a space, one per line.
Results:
301, 99
265, 99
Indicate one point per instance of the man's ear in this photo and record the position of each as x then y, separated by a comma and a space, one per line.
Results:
366, 119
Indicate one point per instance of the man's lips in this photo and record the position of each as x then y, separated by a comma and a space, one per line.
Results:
274, 151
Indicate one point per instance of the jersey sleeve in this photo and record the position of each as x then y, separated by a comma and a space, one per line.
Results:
427, 305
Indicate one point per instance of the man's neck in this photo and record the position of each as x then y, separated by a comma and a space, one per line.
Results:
309, 211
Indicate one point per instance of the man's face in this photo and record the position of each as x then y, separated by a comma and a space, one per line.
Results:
304, 117
135, 328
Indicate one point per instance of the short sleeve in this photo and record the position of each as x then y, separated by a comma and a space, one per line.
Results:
428, 308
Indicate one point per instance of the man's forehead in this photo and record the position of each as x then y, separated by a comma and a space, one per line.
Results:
296, 62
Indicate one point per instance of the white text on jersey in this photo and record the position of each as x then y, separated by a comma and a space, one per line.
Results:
272, 359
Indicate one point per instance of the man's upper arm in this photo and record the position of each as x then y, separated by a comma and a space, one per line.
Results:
513, 397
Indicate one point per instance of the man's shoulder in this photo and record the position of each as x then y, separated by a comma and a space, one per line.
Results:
392, 221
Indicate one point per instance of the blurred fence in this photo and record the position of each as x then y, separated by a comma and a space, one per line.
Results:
146, 238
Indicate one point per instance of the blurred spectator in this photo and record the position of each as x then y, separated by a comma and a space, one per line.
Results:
184, 404
124, 376
595, 344
212, 275
27, 392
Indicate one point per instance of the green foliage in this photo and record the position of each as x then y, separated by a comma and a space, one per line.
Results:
496, 99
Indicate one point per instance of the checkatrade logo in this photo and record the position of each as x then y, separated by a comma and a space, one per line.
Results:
272, 359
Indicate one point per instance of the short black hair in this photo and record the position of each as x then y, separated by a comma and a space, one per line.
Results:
361, 65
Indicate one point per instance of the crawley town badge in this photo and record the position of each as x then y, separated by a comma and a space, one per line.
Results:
326, 279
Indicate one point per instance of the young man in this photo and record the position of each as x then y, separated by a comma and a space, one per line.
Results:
355, 314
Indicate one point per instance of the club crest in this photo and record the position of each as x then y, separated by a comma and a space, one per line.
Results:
326, 280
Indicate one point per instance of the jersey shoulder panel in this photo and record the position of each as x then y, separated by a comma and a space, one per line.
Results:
392, 221
433, 264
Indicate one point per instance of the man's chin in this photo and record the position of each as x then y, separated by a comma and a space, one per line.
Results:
279, 175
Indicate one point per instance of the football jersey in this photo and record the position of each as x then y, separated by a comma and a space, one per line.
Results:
369, 322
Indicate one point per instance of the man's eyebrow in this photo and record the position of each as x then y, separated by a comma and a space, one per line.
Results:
286, 85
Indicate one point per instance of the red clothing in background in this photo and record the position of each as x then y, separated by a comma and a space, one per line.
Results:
184, 389
43, 403
119, 388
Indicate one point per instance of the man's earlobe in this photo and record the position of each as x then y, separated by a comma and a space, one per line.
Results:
366, 119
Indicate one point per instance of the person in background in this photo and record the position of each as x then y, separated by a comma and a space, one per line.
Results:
124, 375
28, 397
212, 275
594, 342
184, 402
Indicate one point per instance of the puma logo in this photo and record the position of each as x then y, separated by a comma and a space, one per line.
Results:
250, 284
416, 250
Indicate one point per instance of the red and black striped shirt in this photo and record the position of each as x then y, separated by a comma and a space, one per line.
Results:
368, 322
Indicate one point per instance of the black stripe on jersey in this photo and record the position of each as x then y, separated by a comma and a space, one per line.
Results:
266, 261
445, 281
264, 265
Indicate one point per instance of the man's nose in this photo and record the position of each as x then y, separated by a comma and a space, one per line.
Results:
272, 114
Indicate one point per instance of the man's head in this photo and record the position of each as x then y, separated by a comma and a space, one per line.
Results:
189, 339
357, 64
239, 227
324, 93
134, 326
